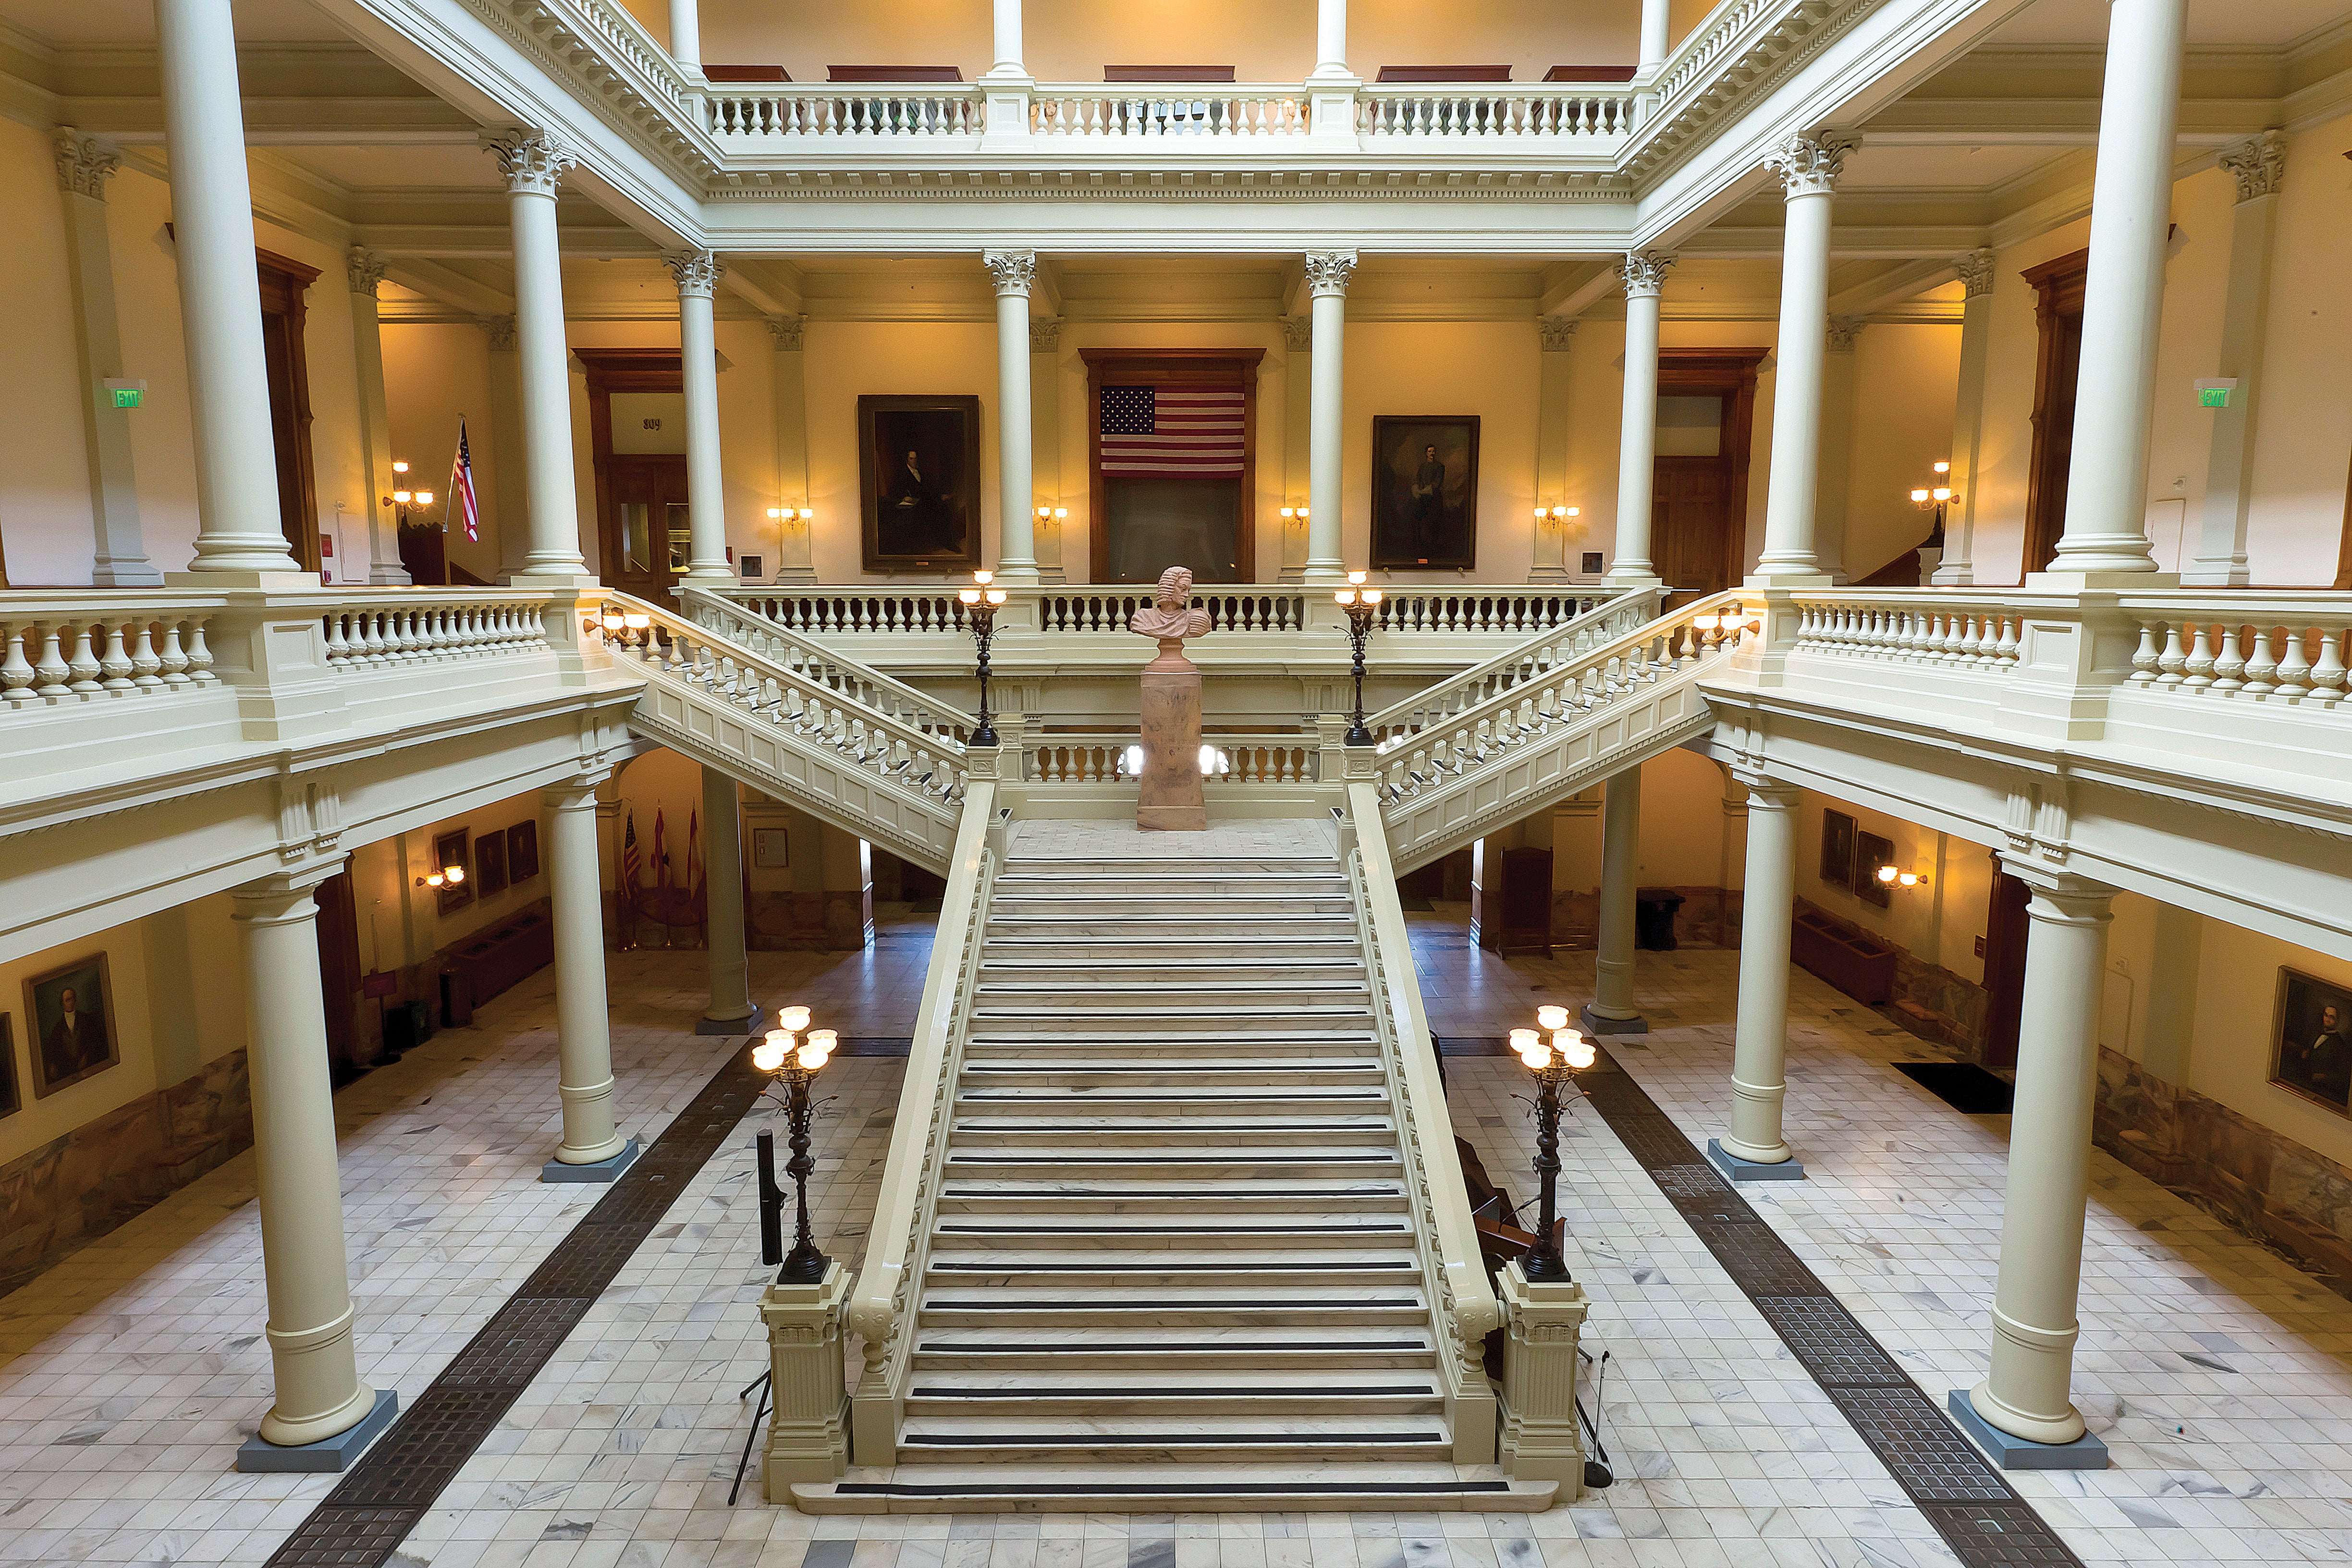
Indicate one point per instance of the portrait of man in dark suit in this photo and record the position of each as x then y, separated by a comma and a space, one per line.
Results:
2314, 1045
1425, 492
71, 1010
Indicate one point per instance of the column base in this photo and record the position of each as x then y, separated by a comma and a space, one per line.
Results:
1595, 1023
747, 1025
1737, 1170
601, 1171
328, 1455
2013, 1453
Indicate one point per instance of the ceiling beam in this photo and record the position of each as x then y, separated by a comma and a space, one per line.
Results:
1902, 281
448, 286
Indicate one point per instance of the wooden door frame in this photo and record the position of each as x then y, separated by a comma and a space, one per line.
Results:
2006, 927
610, 371
285, 286
1728, 374
1171, 367
2057, 287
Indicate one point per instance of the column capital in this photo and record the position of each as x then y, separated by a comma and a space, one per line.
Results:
1558, 332
1765, 792
1298, 333
2258, 164
1327, 272
533, 161
786, 331
1843, 331
283, 897
1645, 272
1044, 334
1975, 271
364, 269
1810, 165
1015, 272
85, 162
696, 272
502, 332
2071, 897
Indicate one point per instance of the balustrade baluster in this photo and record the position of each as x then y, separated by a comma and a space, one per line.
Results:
2199, 665
144, 662
2293, 669
2169, 663
52, 669
339, 649
16, 671
173, 660
2261, 666
84, 665
2327, 672
2228, 665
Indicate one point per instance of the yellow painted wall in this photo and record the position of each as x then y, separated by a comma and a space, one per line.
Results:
1905, 378
433, 373
45, 518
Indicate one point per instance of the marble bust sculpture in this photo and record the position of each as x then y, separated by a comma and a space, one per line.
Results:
1172, 619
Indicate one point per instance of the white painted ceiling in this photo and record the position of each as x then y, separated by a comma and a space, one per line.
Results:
86, 23
2273, 22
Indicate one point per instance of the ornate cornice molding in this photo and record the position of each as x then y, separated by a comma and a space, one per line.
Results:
1327, 272
696, 272
1810, 165
364, 269
2258, 164
85, 162
1014, 271
1645, 272
533, 162
1976, 272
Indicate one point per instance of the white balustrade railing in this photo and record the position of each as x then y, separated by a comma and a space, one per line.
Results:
411, 625
838, 610
1502, 115
845, 112
2232, 646
1104, 759
846, 677
1220, 111
1976, 634
1412, 609
1230, 610
1552, 646
1619, 671
96, 647
767, 691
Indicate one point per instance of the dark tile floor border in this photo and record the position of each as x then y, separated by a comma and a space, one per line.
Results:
373, 1507
1980, 1517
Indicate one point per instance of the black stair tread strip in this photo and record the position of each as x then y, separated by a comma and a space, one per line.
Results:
1170, 1229
1150, 1439
1232, 1158
1981, 1517
1158, 1346
1167, 1488
1177, 1391
371, 1510
1129, 1304
1284, 1266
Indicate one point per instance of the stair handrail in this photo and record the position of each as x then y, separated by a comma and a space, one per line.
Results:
767, 690
847, 677
881, 1307
1587, 683
1466, 1310
1533, 656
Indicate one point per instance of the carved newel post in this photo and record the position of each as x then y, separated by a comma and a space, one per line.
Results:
1170, 799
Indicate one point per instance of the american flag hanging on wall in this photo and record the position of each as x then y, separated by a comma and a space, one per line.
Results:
1171, 432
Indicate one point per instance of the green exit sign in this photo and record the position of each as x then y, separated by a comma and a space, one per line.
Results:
2213, 397
127, 397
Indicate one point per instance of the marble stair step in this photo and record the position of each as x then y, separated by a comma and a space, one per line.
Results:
1161, 906
1054, 1309
1146, 1274
1183, 1100
1150, 1350
1143, 866
1144, 1135
1331, 1393
1019, 1236
1203, 1073
1008, 1040
1006, 1439
1043, 971
1114, 1196
1145, 1023
1324, 1487
1225, 947
1221, 1162
1059, 926
1167, 1000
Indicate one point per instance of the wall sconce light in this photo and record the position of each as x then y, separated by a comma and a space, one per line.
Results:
1892, 878
1556, 516
448, 876
1294, 514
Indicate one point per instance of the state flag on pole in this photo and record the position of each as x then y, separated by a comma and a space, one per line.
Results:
632, 865
461, 486
661, 850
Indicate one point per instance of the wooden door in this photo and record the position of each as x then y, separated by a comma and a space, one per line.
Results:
646, 536
2058, 366
339, 968
1690, 528
2004, 968
285, 283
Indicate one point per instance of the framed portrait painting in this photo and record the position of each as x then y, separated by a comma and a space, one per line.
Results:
1837, 849
2311, 1046
449, 849
1871, 852
1425, 492
919, 481
70, 1015
523, 852
490, 864
12, 1098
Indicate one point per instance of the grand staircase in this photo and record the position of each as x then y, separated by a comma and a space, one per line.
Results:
1172, 1263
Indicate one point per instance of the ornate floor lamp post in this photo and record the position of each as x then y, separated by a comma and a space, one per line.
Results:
795, 1060
1554, 1062
979, 606
1361, 604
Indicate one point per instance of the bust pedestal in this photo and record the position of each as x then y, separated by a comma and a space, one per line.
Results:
1169, 799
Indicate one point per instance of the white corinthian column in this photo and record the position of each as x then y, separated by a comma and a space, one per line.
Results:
1645, 272
1016, 272
1809, 168
697, 273
533, 162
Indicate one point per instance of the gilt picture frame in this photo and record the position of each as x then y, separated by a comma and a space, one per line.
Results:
1424, 492
918, 483
72, 1030
2311, 1039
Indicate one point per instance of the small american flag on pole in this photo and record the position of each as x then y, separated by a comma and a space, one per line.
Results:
1171, 432
461, 486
